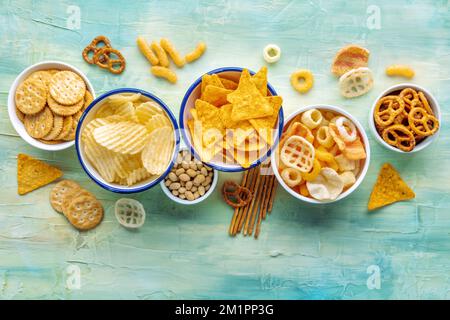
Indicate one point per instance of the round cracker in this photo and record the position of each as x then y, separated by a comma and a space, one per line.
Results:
56, 129
67, 126
70, 196
64, 110
42, 75
31, 96
39, 125
51, 141
59, 191
88, 98
85, 212
67, 88
20, 114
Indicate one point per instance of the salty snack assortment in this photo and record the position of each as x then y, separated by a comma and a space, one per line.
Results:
233, 122
252, 199
101, 53
189, 178
320, 154
130, 139
403, 119
79, 206
158, 55
49, 103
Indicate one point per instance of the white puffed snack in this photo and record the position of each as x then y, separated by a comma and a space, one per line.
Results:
130, 213
347, 129
312, 118
327, 186
344, 163
356, 82
298, 153
272, 53
348, 178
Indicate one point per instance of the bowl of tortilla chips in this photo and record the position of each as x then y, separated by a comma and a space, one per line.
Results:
231, 118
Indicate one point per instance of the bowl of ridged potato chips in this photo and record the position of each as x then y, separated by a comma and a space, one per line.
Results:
127, 140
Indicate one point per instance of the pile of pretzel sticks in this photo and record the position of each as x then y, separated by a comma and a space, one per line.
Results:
261, 181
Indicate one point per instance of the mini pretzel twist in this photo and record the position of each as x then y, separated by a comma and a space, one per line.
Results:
235, 195
408, 95
421, 122
103, 59
399, 136
387, 109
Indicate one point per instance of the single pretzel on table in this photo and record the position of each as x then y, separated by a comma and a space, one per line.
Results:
399, 136
103, 58
235, 195
422, 123
387, 109
94, 48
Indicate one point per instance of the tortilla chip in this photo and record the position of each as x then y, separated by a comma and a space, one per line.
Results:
260, 80
216, 96
33, 174
229, 84
209, 115
389, 188
248, 102
225, 116
265, 125
210, 79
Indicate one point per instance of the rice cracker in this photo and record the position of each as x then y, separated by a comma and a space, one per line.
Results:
85, 212
389, 188
59, 191
67, 88
33, 174
40, 124
31, 96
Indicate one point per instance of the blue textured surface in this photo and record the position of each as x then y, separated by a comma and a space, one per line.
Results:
303, 252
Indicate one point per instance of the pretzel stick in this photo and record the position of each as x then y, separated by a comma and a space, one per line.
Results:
274, 189
252, 204
258, 225
266, 200
258, 205
245, 210
236, 210
240, 210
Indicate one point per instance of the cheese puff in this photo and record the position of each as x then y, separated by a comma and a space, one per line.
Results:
400, 70
324, 138
312, 118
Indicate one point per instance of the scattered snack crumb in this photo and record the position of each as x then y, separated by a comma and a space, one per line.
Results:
389, 188
33, 174
271, 53
302, 80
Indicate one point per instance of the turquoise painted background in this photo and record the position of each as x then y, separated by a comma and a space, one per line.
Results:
181, 252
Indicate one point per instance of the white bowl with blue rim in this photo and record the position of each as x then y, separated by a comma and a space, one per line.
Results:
193, 93
89, 115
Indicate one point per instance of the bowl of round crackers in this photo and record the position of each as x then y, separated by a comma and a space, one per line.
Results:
127, 140
231, 118
45, 103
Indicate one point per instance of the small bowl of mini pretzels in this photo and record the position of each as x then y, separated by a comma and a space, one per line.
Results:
405, 118
45, 103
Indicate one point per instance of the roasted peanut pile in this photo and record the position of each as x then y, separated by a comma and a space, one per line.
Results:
189, 178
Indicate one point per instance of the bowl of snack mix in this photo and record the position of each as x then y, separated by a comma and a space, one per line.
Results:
190, 181
127, 140
323, 154
45, 103
231, 118
405, 118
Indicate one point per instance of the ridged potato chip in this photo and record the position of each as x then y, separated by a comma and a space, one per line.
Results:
157, 121
147, 110
158, 150
124, 137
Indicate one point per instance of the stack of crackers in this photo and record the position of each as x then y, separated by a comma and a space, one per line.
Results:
50, 104
78, 205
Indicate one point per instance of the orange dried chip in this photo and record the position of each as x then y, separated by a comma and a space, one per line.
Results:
389, 188
354, 150
229, 84
260, 80
33, 174
210, 79
265, 125
348, 58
